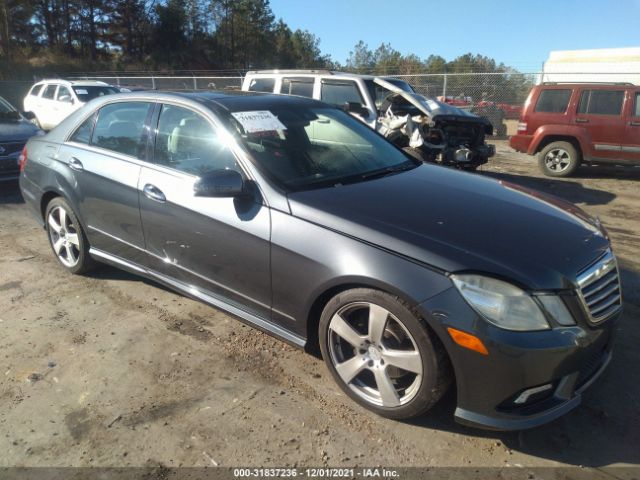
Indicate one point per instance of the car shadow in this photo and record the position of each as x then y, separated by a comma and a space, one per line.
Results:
10, 192
604, 429
569, 190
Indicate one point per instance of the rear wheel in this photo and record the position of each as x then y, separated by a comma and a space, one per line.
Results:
66, 237
381, 355
559, 159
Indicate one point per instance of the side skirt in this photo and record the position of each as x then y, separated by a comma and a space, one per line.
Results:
245, 317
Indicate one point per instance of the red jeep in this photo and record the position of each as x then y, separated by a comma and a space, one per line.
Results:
567, 124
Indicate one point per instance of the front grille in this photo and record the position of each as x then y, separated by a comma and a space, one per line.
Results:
7, 148
600, 289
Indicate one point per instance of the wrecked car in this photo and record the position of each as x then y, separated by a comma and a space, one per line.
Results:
426, 129
433, 131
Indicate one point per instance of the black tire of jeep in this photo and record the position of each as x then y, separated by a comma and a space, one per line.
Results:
435, 375
559, 159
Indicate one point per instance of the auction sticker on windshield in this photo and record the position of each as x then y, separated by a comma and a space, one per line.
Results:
259, 121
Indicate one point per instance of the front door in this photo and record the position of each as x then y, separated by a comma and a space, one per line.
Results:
220, 246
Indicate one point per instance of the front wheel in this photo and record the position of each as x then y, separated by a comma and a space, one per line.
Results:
381, 355
559, 159
66, 237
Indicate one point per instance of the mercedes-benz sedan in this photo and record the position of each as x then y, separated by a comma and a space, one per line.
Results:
300, 220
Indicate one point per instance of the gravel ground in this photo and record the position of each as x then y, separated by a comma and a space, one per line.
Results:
112, 370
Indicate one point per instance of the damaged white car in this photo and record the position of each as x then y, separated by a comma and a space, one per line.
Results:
424, 128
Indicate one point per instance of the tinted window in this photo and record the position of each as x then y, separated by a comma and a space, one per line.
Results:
262, 85
62, 92
187, 142
553, 101
297, 86
601, 102
86, 93
83, 132
35, 90
340, 93
49, 92
120, 127
637, 111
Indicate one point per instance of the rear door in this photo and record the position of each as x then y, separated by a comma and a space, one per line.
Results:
631, 142
44, 106
600, 112
105, 154
220, 246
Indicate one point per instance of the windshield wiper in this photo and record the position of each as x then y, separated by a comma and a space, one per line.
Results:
388, 171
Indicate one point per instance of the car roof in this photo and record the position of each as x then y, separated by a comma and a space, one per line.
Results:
604, 85
310, 73
77, 83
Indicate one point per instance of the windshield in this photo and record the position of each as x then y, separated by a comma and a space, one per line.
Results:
308, 147
89, 92
7, 111
379, 93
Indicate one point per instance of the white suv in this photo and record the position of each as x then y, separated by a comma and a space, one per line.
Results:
424, 128
51, 101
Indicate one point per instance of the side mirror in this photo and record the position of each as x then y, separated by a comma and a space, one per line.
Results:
28, 115
220, 183
355, 107
65, 99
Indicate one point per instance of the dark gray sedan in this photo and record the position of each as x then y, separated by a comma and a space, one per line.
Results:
15, 130
305, 223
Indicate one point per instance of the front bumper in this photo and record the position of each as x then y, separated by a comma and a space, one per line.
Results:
490, 389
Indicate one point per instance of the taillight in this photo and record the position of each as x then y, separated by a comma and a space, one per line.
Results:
522, 127
22, 159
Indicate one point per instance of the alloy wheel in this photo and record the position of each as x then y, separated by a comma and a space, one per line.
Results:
374, 354
63, 235
557, 160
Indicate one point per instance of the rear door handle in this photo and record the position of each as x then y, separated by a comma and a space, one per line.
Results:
582, 120
76, 164
634, 123
154, 193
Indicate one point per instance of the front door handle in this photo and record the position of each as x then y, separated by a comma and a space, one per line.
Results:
634, 123
76, 164
154, 193
582, 120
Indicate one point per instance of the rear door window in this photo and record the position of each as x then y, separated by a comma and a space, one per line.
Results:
302, 86
186, 141
553, 101
83, 132
35, 90
339, 93
601, 102
262, 85
637, 105
120, 127
49, 92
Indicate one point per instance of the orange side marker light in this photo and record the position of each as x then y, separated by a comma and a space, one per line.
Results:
467, 340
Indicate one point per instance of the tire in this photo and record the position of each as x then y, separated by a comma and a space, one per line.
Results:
397, 369
67, 238
559, 159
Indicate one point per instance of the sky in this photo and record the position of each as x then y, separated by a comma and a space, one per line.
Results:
518, 33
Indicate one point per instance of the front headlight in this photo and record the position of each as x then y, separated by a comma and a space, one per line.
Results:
501, 303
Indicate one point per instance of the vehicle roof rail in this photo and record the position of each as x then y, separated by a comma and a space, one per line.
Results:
321, 71
587, 83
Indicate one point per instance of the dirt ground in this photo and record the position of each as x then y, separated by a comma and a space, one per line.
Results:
113, 370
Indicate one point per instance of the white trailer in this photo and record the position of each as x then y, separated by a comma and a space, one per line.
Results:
601, 65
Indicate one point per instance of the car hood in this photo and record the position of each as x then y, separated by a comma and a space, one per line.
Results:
456, 221
430, 107
17, 130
